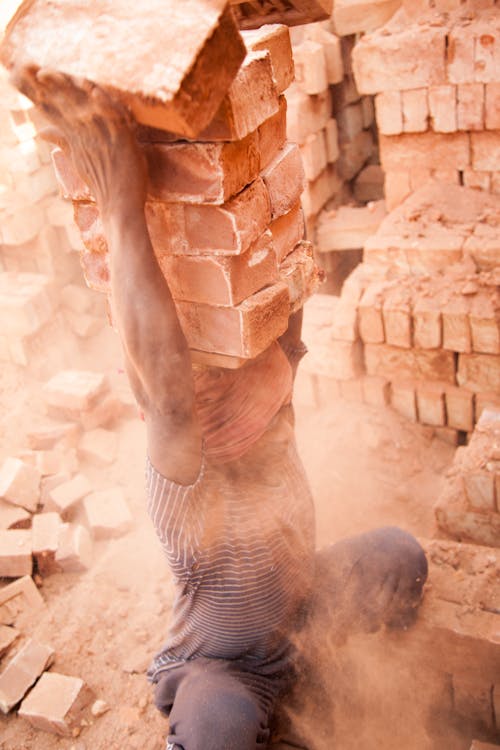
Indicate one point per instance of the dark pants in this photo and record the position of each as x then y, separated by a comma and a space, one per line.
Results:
362, 583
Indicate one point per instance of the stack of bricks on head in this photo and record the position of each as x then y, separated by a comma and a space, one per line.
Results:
223, 203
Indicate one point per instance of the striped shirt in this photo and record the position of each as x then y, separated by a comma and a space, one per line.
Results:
239, 542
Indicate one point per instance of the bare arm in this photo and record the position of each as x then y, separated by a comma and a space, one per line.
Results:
100, 138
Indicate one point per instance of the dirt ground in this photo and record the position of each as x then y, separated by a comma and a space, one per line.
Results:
367, 468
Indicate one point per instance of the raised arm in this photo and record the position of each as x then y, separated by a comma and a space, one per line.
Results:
99, 135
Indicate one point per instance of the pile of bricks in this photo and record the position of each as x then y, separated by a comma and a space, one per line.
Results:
436, 77
469, 506
49, 511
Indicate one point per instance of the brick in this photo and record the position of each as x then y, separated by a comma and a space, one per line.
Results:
75, 389
331, 45
332, 141
310, 67
415, 110
480, 490
345, 321
276, 39
486, 150
486, 402
350, 122
22, 671
456, 328
284, 180
13, 516
318, 192
389, 112
479, 372
450, 151
272, 135
220, 280
17, 598
443, 108
431, 404
460, 55
371, 322
45, 541
369, 184
204, 40
301, 275
107, 513
396, 312
470, 106
412, 58
376, 391
346, 360
8, 636
201, 172
492, 106
486, 49
447, 435
20, 483
287, 231
314, 155
65, 496
57, 703
348, 227
25, 302
48, 484
98, 447
485, 323
44, 438
460, 408
427, 323
477, 180
48, 462
15, 553
355, 154
251, 98
75, 550
356, 16
295, 12
306, 114
397, 187
483, 246
409, 364
404, 400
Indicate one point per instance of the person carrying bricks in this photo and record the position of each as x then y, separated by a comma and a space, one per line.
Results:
226, 490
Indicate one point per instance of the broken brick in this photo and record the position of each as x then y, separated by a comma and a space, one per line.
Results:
19, 597
56, 703
22, 671
13, 516
20, 483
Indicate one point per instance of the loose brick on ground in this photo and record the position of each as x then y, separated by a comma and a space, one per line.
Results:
75, 550
20, 483
75, 389
8, 636
18, 597
45, 541
22, 671
107, 513
15, 553
47, 437
99, 447
13, 516
57, 703
65, 496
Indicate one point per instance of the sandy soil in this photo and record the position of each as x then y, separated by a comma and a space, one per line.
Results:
366, 468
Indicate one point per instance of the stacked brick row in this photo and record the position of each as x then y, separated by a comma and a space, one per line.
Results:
37, 238
435, 74
469, 505
243, 181
418, 322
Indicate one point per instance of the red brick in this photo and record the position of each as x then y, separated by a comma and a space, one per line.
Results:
222, 280
331, 49
15, 553
480, 490
57, 703
75, 389
287, 231
201, 172
427, 323
371, 322
345, 321
397, 187
310, 67
251, 99
479, 372
486, 150
460, 408
346, 360
415, 110
65, 496
431, 403
486, 401
369, 184
396, 312
306, 114
20, 483
485, 323
354, 18
276, 39
410, 59
318, 192
314, 155
456, 328
242, 331
449, 150
477, 180
419, 364
22, 671
13, 516
331, 140
389, 113
45, 541
460, 54
74, 551
470, 106
403, 399
18, 598
492, 106
206, 47
284, 180
300, 273
98, 447
272, 135
376, 391
443, 108
107, 513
